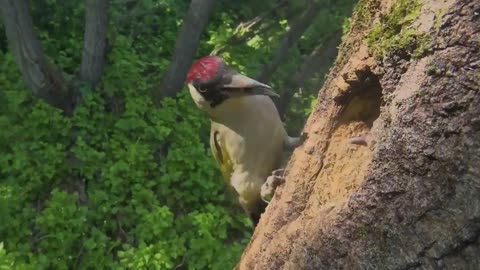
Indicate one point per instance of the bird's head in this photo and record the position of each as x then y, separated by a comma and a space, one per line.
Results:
211, 82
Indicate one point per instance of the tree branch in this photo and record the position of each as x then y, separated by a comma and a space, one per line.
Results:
42, 79
320, 56
259, 25
187, 42
248, 33
290, 39
95, 39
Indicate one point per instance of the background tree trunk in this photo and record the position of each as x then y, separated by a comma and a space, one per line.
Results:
95, 41
187, 42
291, 37
43, 80
322, 55
406, 193
254, 26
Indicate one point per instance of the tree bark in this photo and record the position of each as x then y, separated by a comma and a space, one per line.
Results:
288, 41
322, 55
186, 44
389, 177
95, 41
42, 79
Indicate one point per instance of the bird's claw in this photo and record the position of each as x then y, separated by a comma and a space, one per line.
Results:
271, 184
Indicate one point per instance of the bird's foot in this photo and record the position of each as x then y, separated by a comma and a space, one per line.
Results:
272, 182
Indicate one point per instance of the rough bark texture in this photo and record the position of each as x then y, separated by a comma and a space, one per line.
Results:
44, 81
186, 44
410, 197
94, 41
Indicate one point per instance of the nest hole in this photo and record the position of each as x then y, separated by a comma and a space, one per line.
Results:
362, 101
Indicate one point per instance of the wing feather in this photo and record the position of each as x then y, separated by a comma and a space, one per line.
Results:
220, 154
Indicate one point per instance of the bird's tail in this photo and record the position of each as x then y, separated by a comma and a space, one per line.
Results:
291, 143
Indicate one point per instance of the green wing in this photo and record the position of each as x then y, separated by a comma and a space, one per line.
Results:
220, 154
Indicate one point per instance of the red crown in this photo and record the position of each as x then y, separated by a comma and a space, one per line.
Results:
203, 69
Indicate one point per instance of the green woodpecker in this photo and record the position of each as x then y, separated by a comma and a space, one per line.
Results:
247, 136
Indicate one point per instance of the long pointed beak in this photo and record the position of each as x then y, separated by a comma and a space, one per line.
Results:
263, 91
251, 86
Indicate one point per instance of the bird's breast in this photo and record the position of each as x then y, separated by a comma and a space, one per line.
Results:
253, 137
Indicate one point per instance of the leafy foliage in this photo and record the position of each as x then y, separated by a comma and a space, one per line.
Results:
124, 184
150, 214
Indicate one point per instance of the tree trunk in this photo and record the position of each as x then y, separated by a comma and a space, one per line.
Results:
291, 37
389, 177
44, 81
187, 42
95, 41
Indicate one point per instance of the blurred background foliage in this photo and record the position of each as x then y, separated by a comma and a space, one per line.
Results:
122, 183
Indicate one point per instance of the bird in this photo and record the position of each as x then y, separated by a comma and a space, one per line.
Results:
247, 136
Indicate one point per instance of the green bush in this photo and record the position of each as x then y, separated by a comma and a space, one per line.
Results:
124, 184
135, 188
